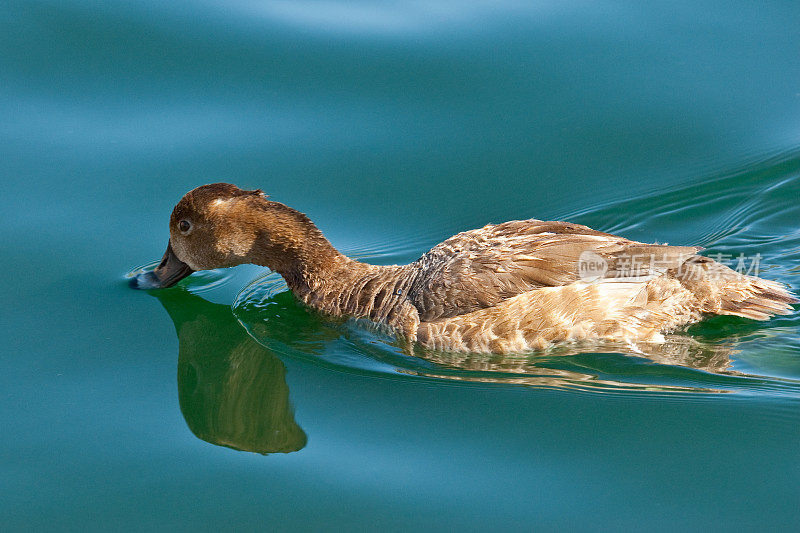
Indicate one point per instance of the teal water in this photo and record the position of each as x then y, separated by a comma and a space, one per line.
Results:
221, 403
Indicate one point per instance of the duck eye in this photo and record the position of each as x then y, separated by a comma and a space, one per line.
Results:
184, 226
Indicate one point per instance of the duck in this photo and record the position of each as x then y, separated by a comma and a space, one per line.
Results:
516, 286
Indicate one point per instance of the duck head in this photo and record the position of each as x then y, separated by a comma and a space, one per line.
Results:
220, 225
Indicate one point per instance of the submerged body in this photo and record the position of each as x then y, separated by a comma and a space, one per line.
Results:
508, 287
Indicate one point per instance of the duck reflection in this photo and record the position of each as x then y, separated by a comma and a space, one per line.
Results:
593, 365
678, 350
232, 390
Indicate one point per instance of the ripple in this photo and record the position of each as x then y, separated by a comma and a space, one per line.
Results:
200, 282
747, 211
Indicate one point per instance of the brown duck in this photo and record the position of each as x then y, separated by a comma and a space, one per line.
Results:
507, 287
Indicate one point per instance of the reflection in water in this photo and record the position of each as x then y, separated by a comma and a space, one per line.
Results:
597, 366
232, 391
678, 350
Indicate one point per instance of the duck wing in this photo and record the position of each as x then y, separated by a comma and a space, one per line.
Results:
481, 268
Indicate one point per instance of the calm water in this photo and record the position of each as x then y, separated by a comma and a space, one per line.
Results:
223, 403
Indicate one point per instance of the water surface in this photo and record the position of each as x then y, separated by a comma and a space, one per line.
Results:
222, 402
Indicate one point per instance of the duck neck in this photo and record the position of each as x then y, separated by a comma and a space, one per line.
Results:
289, 243
320, 275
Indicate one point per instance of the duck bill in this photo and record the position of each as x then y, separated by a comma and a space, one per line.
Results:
168, 272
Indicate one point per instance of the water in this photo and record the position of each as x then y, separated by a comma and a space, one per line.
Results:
392, 127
